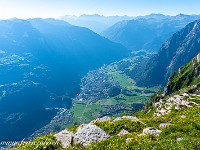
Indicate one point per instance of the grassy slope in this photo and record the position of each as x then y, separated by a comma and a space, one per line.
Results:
187, 127
186, 76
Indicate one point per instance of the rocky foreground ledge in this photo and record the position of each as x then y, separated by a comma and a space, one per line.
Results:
101, 128
170, 122
90, 133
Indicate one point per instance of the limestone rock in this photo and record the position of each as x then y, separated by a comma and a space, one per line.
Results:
106, 118
151, 131
186, 95
80, 127
117, 119
178, 101
90, 134
177, 107
164, 125
65, 137
183, 116
123, 132
180, 139
130, 118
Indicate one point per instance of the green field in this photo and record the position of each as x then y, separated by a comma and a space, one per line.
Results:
130, 94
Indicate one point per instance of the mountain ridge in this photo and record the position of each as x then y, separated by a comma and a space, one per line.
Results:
156, 30
177, 51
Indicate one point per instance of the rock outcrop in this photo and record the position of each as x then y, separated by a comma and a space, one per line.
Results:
90, 134
106, 118
80, 127
132, 118
165, 125
123, 132
151, 131
117, 119
180, 139
164, 106
65, 137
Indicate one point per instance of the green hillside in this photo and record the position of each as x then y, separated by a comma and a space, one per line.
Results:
183, 134
186, 76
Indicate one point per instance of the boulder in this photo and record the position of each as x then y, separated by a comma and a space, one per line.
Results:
130, 118
157, 114
65, 137
123, 132
165, 125
183, 116
157, 104
117, 119
177, 107
178, 96
90, 134
80, 127
180, 139
127, 117
171, 99
186, 95
151, 131
106, 118
163, 111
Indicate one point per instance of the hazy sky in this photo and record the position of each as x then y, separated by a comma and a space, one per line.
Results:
55, 8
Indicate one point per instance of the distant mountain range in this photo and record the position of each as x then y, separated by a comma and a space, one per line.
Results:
41, 64
96, 23
147, 32
176, 52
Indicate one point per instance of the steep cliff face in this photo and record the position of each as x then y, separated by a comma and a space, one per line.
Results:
187, 75
176, 52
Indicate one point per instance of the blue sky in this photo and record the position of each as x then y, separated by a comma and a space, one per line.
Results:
56, 8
